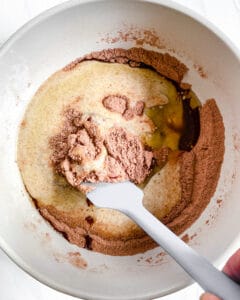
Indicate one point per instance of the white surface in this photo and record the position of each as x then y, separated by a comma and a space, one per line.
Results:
15, 284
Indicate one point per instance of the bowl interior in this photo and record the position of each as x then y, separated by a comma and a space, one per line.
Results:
48, 43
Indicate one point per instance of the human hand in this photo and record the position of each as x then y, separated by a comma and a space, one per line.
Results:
232, 268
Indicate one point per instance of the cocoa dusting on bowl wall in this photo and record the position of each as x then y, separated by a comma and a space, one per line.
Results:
136, 35
74, 258
236, 141
30, 226
200, 70
47, 237
219, 202
159, 259
187, 238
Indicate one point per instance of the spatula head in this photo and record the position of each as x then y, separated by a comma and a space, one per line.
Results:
118, 196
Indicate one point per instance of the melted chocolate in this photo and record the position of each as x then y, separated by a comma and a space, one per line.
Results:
191, 129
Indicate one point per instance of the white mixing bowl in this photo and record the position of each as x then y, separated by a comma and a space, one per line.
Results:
46, 44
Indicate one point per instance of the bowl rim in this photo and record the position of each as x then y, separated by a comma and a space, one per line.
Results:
43, 16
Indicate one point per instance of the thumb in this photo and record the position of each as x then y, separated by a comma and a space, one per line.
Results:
232, 267
208, 296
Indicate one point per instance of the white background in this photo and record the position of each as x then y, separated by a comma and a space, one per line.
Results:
14, 283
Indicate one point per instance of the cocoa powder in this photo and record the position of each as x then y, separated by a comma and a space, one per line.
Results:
81, 143
164, 64
120, 104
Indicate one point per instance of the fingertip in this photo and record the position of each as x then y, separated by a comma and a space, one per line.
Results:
207, 296
232, 267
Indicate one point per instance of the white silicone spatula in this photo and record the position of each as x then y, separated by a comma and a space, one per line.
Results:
127, 198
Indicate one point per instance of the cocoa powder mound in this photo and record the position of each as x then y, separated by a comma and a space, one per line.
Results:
80, 144
120, 104
203, 163
164, 64
115, 103
129, 152
139, 108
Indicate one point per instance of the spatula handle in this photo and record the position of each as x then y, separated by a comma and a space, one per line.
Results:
202, 271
